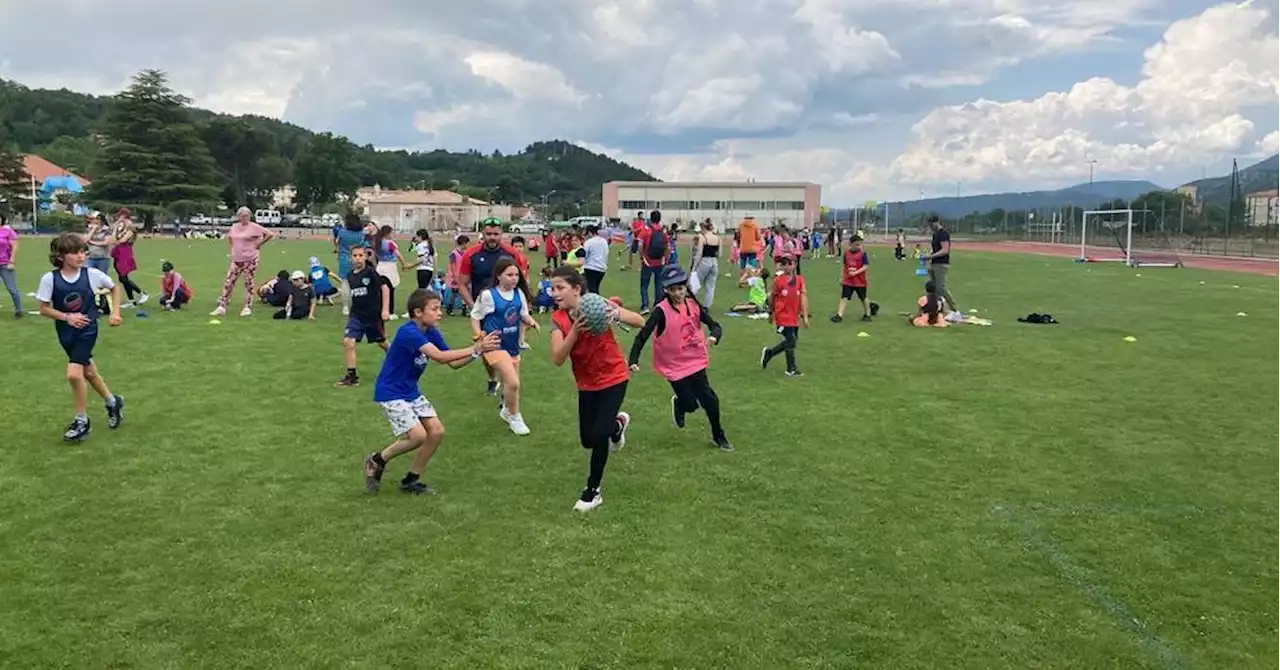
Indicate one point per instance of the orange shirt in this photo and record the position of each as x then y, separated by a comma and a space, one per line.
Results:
749, 237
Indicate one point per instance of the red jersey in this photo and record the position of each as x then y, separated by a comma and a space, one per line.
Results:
785, 300
549, 243
596, 359
646, 233
854, 260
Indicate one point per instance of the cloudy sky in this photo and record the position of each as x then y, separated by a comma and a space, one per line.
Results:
874, 99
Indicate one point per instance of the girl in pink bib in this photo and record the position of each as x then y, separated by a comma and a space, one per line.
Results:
680, 351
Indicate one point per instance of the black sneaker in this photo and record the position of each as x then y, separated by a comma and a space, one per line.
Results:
372, 473
347, 381
837, 319
764, 358
416, 487
794, 373
724, 444
78, 430
492, 389
677, 414
866, 317
115, 413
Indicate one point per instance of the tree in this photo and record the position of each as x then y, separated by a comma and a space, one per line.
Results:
237, 147
15, 185
76, 154
325, 169
152, 159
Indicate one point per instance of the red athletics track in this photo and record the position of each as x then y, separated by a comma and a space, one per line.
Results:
1259, 266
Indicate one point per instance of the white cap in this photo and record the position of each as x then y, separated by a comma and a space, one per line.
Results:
298, 274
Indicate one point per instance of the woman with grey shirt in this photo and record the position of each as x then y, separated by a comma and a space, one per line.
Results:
705, 264
98, 237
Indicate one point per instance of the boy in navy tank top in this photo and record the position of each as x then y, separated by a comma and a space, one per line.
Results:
66, 295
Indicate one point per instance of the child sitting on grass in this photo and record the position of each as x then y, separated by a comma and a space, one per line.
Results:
301, 301
932, 308
757, 296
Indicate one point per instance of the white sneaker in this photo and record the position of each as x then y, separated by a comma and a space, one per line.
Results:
142, 299
581, 505
346, 311
221, 311
393, 317
517, 424
503, 413
524, 346
622, 434
246, 312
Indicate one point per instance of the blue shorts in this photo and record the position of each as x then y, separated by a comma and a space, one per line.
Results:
747, 258
372, 332
79, 345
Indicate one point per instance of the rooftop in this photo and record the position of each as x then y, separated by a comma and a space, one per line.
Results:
1269, 193
422, 198
40, 169
713, 184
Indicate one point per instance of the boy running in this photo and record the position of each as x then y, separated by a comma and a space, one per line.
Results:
789, 303
370, 310
853, 280
413, 419
66, 295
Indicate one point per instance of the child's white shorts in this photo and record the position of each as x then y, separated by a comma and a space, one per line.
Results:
405, 414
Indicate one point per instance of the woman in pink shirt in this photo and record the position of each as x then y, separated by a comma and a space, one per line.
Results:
8, 258
246, 238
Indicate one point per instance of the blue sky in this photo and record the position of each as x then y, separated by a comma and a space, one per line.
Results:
874, 99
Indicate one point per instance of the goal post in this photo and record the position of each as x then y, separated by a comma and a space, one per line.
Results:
1119, 224
1111, 220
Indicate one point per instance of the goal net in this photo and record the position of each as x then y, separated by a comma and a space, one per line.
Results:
1112, 235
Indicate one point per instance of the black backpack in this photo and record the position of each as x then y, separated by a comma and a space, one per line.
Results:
657, 247
1035, 317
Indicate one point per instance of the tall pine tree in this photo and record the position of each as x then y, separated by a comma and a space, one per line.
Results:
153, 160
15, 185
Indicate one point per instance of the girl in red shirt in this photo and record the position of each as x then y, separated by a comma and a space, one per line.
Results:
789, 303
600, 372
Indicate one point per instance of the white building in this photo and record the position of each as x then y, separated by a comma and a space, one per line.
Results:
407, 211
793, 204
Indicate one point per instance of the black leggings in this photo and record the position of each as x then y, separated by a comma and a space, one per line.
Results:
790, 337
695, 391
597, 424
130, 288
594, 279
424, 278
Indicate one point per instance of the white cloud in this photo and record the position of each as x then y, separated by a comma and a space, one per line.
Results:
872, 98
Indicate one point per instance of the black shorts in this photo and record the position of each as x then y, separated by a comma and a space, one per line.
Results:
635, 246
79, 345
371, 331
847, 292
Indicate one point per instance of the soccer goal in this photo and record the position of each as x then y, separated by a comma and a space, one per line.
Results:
1115, 226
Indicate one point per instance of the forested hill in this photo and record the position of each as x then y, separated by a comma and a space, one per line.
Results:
60, 126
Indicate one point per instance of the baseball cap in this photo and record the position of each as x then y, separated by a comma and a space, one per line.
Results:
672, 275
298, 274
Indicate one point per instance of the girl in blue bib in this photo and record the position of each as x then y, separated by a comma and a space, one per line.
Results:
501, 309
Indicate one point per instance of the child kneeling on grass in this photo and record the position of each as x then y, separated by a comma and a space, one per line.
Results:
601, 375
174, 290
66, 295
412, 417
931, 310
680, 352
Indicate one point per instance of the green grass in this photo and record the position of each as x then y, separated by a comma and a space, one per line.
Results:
1004, 497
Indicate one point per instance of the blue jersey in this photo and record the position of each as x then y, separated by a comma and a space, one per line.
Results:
505, 319
544, 298
320, 280
347, 240
75, 296
404, 363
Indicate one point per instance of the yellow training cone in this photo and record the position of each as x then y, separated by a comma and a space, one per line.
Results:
1130, 338
215, 322
863, 333
1241, 314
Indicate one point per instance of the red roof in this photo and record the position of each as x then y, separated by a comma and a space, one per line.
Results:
42, 169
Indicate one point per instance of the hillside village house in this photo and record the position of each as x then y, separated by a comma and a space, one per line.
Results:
407, 211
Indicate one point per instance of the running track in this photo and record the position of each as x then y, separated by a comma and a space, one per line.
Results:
1267, 267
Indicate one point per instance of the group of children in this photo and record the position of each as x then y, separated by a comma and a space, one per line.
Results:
499, 317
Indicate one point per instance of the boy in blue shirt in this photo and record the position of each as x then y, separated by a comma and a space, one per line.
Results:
413, 418
66, 295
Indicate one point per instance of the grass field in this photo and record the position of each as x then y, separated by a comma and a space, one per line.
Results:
1006, 497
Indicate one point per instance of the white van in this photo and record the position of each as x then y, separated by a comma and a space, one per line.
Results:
267, 217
